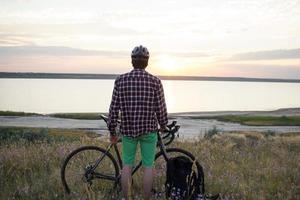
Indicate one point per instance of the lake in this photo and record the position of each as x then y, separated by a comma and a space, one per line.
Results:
86, 95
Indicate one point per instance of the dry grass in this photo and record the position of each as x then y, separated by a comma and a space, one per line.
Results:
236, 165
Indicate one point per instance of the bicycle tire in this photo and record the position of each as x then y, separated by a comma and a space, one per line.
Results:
161, 168
80, 188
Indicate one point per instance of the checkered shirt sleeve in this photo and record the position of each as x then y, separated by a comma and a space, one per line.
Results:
114, 110
161, 108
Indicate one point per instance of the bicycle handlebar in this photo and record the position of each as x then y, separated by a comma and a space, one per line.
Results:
171, 125
170, 131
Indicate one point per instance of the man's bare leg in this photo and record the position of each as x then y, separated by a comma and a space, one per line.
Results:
126, 180
147, 182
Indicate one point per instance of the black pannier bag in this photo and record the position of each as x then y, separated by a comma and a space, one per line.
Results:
183, 182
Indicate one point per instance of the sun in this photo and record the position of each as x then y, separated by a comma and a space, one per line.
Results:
167, 64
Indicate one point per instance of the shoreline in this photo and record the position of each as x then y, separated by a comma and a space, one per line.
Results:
40, 75
193, 124
277, 112
189, 127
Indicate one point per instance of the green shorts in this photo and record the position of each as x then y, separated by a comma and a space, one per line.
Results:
147, 145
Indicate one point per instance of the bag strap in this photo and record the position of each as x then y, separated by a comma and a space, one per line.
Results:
199, 181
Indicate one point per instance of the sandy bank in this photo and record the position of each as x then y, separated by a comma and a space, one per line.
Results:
279, 112
189, 127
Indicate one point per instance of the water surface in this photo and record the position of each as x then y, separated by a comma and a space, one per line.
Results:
84, 95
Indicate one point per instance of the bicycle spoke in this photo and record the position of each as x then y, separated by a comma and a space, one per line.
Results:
105, 176
85, 182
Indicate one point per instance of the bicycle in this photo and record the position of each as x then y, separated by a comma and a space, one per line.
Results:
92, 171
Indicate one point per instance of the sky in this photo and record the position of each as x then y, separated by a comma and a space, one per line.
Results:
236, 38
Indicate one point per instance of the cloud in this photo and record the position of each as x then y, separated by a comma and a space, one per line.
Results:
15, 39
268, 55
55, 51
257, 70
189, 54
33, 50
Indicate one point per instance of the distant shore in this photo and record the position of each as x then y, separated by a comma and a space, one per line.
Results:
113, 76
273, 113
203, 114
192, 124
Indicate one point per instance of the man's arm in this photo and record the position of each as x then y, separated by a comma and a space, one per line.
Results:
161, 108
114, 110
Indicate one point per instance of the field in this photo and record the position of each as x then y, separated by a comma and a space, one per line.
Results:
89, 116
257, 120
236, 165
13, 113
241, 119
250, 120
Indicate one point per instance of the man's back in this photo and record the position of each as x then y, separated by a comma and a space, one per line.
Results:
139, 97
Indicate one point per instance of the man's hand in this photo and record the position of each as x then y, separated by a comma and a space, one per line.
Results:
163, 129
114, 139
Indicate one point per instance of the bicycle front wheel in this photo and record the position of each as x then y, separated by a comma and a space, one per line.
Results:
161, 169
82, 179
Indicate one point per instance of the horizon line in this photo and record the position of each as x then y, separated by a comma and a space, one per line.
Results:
46, 75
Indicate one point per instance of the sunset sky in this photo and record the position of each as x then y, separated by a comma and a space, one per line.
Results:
245, 38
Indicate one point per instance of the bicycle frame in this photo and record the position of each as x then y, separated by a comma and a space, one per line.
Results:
160, 144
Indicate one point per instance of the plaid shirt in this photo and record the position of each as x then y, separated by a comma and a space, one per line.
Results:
139, 97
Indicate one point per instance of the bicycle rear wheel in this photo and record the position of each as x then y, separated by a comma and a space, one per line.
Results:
161, 169
81, 181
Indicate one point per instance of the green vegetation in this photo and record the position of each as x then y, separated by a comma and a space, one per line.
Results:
263, 120
90, 116
211, 132
13, 113
256, 120
242, 119
236, 165
31, 135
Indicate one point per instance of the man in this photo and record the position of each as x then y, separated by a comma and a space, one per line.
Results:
138, 98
